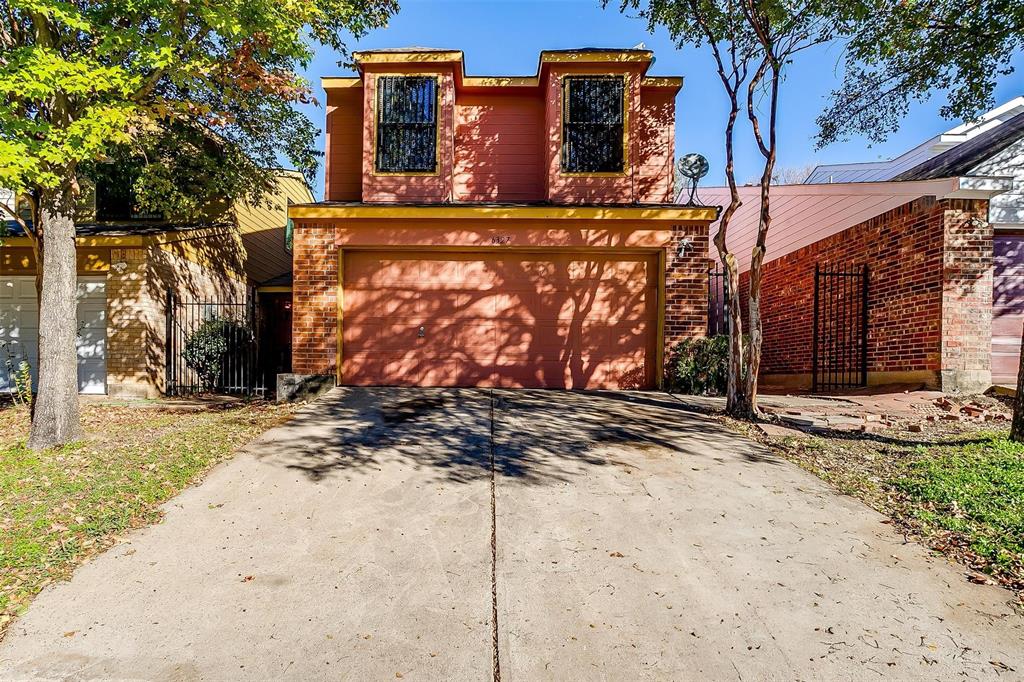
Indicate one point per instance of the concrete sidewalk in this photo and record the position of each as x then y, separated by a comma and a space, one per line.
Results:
633, 540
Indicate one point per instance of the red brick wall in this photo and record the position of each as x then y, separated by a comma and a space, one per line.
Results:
967, 295
686, 284
927, 264
315, 300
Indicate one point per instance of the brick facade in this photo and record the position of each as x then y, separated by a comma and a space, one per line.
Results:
929, 296
315, 300
138, 282
686, 284
315, 290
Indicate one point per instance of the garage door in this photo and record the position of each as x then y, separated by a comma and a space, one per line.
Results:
19, 331
1007, 307
550, 320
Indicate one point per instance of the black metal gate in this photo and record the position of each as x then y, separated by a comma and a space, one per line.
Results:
840, 355
212, 347
718, 303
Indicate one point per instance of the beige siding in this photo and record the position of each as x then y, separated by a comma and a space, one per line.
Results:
262, 228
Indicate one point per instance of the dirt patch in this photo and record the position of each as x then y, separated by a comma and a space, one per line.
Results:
928, 473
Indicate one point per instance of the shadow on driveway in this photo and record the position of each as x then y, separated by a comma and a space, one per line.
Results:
538, 436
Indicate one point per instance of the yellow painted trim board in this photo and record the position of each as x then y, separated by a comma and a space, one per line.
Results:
83, 241
659, 351
335, 82
274, 290
448, 212
410, 57
661, 82
340, 303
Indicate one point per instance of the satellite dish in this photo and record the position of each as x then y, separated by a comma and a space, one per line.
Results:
693, 167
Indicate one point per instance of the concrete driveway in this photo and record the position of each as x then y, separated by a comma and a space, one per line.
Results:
453, 534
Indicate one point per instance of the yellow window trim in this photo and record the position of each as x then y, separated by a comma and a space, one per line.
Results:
437, 128
447, 212
274, 290
625, 126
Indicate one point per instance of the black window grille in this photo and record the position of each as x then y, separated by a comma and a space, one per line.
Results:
406, 124
593, 120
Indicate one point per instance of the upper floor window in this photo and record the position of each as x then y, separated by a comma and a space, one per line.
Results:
593, 124
115, 198
406, 124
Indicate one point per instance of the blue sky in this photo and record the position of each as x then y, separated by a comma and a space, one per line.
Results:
505, 37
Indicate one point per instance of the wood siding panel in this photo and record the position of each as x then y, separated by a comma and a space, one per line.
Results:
343, 172
1007, 307
498, 155
262, 228
414, 188
655, 133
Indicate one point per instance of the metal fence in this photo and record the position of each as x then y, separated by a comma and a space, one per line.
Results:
718, 303
212, 347
840, 352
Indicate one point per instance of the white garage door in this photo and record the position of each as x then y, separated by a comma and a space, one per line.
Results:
19, 330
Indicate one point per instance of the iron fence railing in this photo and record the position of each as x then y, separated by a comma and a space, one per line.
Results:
212, 346
840, 350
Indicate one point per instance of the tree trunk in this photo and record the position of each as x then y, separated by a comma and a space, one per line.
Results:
1017, 429
734, 383
756, 336
55, 419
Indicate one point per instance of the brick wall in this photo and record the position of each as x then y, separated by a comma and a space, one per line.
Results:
967, 296
138, 282
314, 300
930, 292
686, 284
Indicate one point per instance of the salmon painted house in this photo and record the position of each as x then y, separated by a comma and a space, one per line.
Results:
498, 231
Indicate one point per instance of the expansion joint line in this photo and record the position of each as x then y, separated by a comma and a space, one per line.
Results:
495, 660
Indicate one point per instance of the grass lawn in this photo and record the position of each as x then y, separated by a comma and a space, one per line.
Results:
961, 494
60, 506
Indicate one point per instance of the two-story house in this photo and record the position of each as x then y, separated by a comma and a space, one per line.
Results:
498, 231
130, 262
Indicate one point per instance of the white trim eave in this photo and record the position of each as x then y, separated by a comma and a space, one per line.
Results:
980, 187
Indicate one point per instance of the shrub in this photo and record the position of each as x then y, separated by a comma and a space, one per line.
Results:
698, 366
20, 374
206, 347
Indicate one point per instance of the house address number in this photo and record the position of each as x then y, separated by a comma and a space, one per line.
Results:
501, 239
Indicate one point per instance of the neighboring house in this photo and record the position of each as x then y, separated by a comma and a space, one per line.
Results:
498, 231
928, 225
128, 265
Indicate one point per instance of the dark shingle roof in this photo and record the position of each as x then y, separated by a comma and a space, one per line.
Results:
962, 158
122, 229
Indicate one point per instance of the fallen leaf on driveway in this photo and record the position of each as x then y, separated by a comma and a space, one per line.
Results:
248, 578
617, 555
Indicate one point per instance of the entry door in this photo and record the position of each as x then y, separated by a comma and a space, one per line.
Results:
19, 331
580, 320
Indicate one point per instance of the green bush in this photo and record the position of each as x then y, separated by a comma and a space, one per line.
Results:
698, 366
206, 347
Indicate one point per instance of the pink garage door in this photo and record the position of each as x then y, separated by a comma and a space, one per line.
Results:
1007, 307
515, 319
